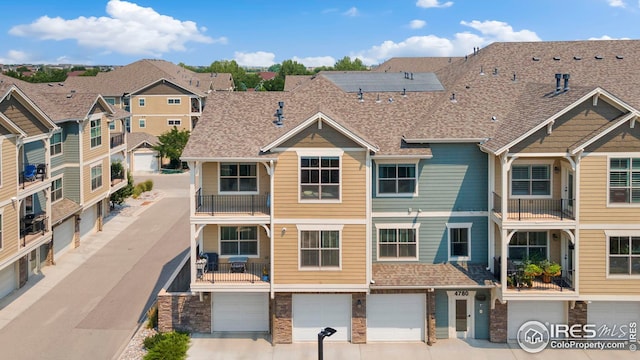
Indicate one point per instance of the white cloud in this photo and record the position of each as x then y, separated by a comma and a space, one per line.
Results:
417, 24
127, 23
607, 37
616, 3
15, 57
258, 58
351, 12
433, 4
315, 61
431, 45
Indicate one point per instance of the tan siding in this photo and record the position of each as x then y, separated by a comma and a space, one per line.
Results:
286, 190
157, 112
100, 192
210, 179
162, 88
9, 185
353, 255
325, 137
90, 153
10, 237
593, 195
23, 116
593, 271
159, 124
622, 139
210, 240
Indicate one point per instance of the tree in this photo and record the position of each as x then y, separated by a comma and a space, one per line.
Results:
171, 144
274, 68
291, 67
91, 72
118, 197
345, 64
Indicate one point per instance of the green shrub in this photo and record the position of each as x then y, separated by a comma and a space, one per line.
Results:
152, 317
151, 341
148, 185
167, 346
137, 190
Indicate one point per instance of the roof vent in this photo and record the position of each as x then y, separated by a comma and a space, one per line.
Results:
378, 101
514, 77
481, 70
453, 98
495, 71
566, 81
619, 57
556, 58
535, 58
577, 58
598, 57
558, 87
360, 95
404, 92
279, 116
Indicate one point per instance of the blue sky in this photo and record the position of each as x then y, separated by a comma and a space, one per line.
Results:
312, 32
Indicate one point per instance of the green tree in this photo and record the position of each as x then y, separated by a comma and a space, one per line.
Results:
118, 197
291, 67
274, 68
275, 84
91, 72
171, 144
229, 66
346, 64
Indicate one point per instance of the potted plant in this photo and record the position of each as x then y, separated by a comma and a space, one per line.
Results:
531, 270
265, 274
549, 269
510, 282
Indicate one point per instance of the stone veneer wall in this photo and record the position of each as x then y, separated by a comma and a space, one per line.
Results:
578, 315
184, 312
282, 325
359, 318
498, 323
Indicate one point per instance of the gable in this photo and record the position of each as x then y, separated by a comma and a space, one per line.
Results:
575, 126
99, 108
622, 139
24, 117
326, 136
162, 88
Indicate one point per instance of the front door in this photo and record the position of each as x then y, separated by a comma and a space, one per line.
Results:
567, 259
568, 190
461, 319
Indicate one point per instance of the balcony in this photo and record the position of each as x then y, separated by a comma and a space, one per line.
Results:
116, 140
518, 281
33, 227
228, 273
535, 209
32, 175
217, 205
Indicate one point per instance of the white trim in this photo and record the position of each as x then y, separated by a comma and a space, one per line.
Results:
459, 226
327, 222
142, 102
142, 123
630, 204
314, 151
220, 192
397, 226
538, 155
610, 297
321, 287
321, 153
427, 214
326, 152
320, 229
91, 146
91, 161
238, 226
310, 227
61, 143
415, 193
618, 233
91, 167
392, 158
612, 154
451, 300
518, 162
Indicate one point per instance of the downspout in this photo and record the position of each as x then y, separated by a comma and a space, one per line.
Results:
369, 220
193, 165
490, 234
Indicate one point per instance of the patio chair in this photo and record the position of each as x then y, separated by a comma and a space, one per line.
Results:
30, 172
212, 261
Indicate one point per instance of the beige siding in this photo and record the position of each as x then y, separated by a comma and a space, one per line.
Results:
325, 137
353, 258
8, 186
593, 271
286, 190
211, 237
622, 139
102, 191
23, 115
10, 235
90, 153
593, 195
157, 112
210, 178
159, 124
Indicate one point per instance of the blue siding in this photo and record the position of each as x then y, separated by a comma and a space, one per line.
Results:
442, 315
70, 143
433, 237
71, 184
481, 315
34, 153
455, 179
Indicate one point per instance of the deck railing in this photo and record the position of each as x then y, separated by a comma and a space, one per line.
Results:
231, 204
525, 209
117, 139
225, 272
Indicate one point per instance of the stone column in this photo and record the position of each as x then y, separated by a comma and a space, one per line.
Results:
282, 325
578, 315
498, 323
431, 317
359, 318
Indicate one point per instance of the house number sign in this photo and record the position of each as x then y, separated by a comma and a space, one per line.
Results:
462, 293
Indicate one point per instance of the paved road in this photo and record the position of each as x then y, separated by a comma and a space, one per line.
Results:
92, 312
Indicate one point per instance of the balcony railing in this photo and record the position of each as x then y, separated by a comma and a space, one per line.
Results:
518, 281
226, 273
32, 227
528, 209
231, 204
31, 174
117, 139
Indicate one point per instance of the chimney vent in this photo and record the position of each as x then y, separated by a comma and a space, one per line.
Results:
566, 81
558, 87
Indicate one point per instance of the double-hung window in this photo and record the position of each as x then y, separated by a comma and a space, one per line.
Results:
96, 133
397, 179
624, 255
624, 180
320, 249
528, 245
397, 243
320, 178
238, 240
141, 102
56, 144
56, 190
173, 101
238, 177
459, 241
142, 123
96, 177
531, 180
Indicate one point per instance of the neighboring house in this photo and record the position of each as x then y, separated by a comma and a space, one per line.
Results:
141, 156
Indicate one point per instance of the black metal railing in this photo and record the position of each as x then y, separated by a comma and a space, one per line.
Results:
32, 227
228, 204
227, 272
117, 139
31, 175
525, 209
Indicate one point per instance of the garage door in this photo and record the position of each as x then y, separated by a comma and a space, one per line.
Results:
88, 221
145, 162
395, 317
312, 313
63, 237
519, 312
7, 280
613, 314
240, 312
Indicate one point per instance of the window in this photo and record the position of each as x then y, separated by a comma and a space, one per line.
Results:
56, 190
320, 178
173, 101
141, 102
397, 244
96, 177
96, 133
624, 181
397, 179
238, 240
528, 245
142, 123
110, 100
531, 180
238, 177
624, 255
459, 241
112, 125
174, 122
56, 144
319, 249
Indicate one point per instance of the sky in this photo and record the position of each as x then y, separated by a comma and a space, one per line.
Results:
311, 32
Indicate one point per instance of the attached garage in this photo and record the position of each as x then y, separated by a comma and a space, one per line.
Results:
240, 312
396, 317
519, 312
7, 280
613, 313
144, 161
313, 312
63, 237
88, 221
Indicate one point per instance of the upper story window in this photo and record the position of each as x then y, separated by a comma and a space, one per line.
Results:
531, 180
319, 249
141, 102
174, 122
112, 125
238, 240
320, 178
96, 177
624, 255
110, 100
624, 180
397, 179
528, 245
173, 101
56, 190
238, 177
56, 144
96, 132
397, 242
459, 241
142, 123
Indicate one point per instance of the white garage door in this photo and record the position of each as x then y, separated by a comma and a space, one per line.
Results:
519, 312
396, 317
63, 237
613, 314
88, 221
7, 280
312, 313
146, 162
240, 312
